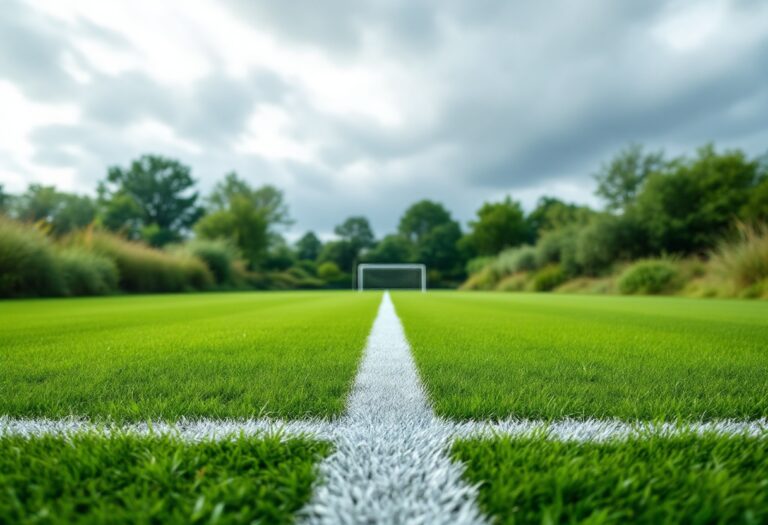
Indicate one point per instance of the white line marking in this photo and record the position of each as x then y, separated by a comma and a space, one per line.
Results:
391, 464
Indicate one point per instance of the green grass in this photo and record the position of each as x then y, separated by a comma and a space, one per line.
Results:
232, 355
124, 479
685, 479
491, 355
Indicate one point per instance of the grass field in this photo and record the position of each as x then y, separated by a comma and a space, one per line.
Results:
490, 355
230, 355
685, 479
125, 479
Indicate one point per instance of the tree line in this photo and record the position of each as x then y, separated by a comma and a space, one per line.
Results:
653, 205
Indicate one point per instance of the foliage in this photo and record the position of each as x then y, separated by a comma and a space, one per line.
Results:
499, 225
151, 198
756, 208
652, 480
28, 262
421, 218
60, 213
357, 232
145, 270
87, 273
214, 355
308, 247
392, 249
552, 214
342, 253
745, 258
548, 278
620, 180
689, 206
219, 255
650, 276
329, 271
120, 478
488, 355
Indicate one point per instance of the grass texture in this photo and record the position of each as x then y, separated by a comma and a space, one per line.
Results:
233, 355
686, 479
488, 355
127, 479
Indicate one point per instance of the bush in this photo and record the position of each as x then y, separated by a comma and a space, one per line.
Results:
219, 256
513, 283
477, 264
145, 270
329, 271
559, 246
651, 276
745, 259
548, 278
513, 260
28, 264
86, 273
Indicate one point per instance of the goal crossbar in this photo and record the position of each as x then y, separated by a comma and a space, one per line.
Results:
393, 266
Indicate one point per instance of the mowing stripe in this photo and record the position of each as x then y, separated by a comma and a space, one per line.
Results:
390, 463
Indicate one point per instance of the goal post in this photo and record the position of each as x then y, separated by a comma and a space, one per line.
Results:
421, 282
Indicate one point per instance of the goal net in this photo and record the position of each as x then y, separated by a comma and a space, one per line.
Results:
391, 277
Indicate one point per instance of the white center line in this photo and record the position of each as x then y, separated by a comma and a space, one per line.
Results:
391, 464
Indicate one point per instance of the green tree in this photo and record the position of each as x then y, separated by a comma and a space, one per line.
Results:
5, 200
153, 198
60, 212
499, 225
392, 248
434, 235
248, 217
308, 247
620, 180
342, 253
688, 208
551, 214
357, 231
241, 223
756, 208
421, 218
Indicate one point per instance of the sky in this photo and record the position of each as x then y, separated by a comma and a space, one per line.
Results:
363, 107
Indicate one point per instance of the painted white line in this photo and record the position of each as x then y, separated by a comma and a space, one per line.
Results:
390, 464
188, 430
608, 429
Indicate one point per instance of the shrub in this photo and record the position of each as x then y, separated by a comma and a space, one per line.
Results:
28, 264
86, 273
559, 246
329, 271
651, 276
745, 259
219, 256
477, 264
145, 270
513, 260
513, 283
548, 278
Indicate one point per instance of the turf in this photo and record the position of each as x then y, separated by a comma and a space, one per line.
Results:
124, 479
233, 355
686, 479
493, 355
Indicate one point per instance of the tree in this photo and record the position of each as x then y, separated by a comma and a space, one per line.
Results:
499, 225
551, 214
421, 218
60, 212
5, 199
342, 253
687, 208
248, 217
308, 247
620, 180
153, 197
357, 231
434, 235
392, 249
242, 224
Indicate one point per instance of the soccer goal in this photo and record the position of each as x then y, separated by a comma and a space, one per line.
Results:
391, 276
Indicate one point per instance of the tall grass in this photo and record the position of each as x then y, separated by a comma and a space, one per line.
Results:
28, 263
87, 273
744, 260
145, 270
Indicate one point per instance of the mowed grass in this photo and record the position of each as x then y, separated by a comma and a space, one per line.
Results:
492, 355
232, 355
686, 479
127, 479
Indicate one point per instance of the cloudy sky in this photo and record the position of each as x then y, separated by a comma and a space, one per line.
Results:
364, 106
